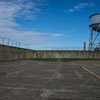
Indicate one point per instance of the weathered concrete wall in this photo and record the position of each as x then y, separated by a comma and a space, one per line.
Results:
13, 53
67, 54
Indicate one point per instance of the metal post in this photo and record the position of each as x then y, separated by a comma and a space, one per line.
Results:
24, 45
3, 40
8, 42
91, 39
16, 44
12, 43
19, 44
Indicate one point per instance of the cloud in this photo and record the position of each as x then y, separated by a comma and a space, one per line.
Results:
57, 35
7, 14
80, 6
10, 10
33, 38
9, 28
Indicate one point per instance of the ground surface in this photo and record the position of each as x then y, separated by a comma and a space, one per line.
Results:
38, 80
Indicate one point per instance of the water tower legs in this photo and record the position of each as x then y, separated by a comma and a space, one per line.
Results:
94, 42
91, 38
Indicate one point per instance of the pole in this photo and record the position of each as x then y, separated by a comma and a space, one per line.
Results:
91, 39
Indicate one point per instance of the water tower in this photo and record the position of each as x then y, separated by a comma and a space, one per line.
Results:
94, 42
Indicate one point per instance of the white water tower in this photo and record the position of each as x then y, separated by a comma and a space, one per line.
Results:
94, 42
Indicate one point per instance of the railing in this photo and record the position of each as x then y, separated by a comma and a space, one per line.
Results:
9, 42
56, 48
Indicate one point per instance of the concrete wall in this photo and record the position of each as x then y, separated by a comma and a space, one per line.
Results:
13, 53
67, 54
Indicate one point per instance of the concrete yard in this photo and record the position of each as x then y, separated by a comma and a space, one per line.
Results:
39, 80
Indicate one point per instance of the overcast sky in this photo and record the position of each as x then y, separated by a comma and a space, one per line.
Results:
47, 22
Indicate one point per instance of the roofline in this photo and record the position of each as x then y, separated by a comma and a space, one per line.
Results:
94, 15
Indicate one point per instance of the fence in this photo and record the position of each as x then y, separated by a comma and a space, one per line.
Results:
57, 48
9, 42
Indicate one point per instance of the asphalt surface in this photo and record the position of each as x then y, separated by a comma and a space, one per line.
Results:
92, 67
38, 80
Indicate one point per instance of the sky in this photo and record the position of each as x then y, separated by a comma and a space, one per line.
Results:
57, 23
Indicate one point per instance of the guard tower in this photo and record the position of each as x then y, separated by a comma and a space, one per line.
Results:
94, 41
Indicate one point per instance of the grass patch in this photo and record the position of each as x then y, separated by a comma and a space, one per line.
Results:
65, 59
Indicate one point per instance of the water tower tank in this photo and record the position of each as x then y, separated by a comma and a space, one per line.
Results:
95, 22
